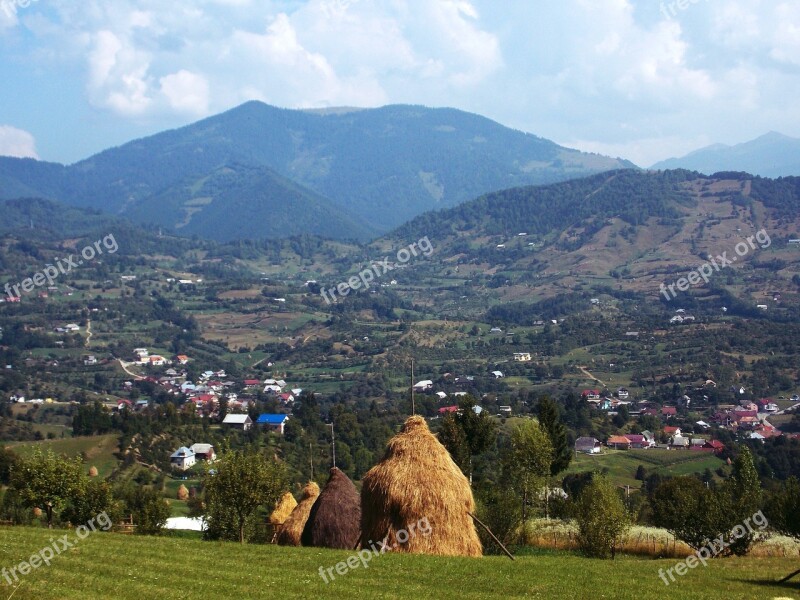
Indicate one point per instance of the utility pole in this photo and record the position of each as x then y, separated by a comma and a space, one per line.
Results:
413, 407
333, 446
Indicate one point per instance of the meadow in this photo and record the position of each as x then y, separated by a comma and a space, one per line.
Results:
110, 565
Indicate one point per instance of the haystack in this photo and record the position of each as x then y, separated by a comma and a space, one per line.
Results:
416, 483
335, 519
289, 533
283, 508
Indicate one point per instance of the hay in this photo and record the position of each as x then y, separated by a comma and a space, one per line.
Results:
283, 508
335, 519
418, 480
289, 533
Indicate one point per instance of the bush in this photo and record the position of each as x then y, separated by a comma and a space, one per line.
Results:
501, 512
602, 519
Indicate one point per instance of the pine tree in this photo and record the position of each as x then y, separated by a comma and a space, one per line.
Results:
550, 421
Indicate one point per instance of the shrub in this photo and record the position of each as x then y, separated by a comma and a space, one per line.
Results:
602, 519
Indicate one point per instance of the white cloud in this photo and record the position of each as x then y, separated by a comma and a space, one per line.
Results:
186, 91
17, 142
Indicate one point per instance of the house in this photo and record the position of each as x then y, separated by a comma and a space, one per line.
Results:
623, 394
243, 422
448, 409
591, 394
588, 445
506, 410
182, 459
252, 383
522, 356
89, 360
669, 430
498, 374
618, 442
423, 386
204, 452
714, 445
676, 319
638, 441
678, 441
669, 411
272, 422
182, 359
441, 395
141, 353
157, 361
286, 398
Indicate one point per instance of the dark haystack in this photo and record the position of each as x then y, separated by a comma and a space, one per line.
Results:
283, 508
289, 533
335, 519
418, 482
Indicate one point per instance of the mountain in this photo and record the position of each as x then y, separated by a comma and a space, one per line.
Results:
771, 155
376, 167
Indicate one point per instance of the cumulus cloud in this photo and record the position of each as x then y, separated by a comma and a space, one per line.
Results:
17, 142
614, 74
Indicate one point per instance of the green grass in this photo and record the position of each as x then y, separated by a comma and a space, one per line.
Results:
117, 566
622, 464
98, 450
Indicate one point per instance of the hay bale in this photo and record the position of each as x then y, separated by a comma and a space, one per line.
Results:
283, 508
416, 481
335, 519
93, 472
183, 493
289, 533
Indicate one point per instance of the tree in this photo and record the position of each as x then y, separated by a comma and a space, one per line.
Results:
148, 508
551, 422
527, 460
743, 493
453, 438
602, 519
689, 510
239, 484
48, 482
783, 512
96, 498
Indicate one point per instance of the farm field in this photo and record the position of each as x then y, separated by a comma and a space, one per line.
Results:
98, 451
108, 565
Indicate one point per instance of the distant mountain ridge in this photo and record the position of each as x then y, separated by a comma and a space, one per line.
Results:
772, 155
363, 171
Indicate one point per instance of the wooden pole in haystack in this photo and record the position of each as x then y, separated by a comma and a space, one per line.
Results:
494, 537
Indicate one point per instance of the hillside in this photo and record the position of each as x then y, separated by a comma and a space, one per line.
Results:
771, 155
385, 165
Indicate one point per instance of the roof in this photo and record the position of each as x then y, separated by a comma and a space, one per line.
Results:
587, 441
669, 410
271, 419
182, 452
201, 448
447, 409
618, 439
236, 419
671, 429
635, 439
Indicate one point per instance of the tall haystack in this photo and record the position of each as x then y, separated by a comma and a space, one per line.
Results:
283, 508
289, 533
416, 483
335, 519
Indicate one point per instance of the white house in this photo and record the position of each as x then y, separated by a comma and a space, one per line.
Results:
522, 356
423, 386
243, 422
182, 459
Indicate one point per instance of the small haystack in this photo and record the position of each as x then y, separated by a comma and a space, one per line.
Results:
335, 519
283, 508
289, 533
418, 485
183, 493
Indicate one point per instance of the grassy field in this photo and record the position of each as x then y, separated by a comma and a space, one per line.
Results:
109, 565
622, 464
98, 451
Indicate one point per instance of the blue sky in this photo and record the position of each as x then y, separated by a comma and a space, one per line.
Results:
642, 79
